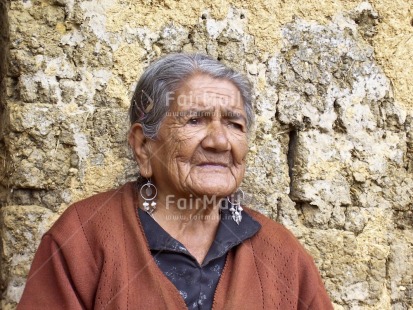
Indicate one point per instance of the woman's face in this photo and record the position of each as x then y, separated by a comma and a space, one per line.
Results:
202, 142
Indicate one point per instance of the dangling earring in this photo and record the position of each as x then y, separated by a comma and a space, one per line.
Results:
148, 193
235, 200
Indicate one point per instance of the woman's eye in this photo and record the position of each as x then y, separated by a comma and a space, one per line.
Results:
236, 126
194, 121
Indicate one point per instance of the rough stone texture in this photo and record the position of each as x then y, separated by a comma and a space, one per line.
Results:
331, 155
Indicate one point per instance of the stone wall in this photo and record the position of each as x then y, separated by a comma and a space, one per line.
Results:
331, 156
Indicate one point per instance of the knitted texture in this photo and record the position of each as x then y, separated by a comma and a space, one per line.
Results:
96, 257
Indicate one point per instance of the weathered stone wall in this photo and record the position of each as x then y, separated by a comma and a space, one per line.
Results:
331, 156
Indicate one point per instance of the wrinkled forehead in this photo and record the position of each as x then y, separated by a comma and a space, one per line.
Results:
209, 93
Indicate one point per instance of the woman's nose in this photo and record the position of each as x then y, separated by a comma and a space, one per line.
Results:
216, 138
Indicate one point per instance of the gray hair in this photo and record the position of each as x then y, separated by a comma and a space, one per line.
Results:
151, 99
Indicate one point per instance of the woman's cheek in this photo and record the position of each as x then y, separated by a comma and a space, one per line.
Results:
240, 151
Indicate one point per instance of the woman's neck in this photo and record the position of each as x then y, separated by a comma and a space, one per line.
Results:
194, 226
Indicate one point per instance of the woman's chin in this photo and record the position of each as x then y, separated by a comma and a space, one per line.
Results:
215, 189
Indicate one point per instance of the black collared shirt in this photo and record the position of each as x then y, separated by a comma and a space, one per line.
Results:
196, 283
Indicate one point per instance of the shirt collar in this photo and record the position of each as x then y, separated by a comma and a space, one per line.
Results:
229, 234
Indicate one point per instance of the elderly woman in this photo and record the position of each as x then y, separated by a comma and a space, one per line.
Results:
178, 237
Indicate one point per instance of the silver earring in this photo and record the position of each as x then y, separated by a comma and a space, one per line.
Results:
148, 193
235, 200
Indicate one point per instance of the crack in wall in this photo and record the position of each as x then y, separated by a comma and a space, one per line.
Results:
4, 42
291, 153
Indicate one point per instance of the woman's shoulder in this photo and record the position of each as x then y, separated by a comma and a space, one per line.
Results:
268, 225
273, 234
285, 265
92, 212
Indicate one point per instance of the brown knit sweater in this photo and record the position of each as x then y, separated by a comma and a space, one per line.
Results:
96, 257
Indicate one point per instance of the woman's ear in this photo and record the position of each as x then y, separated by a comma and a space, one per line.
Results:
140, 146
